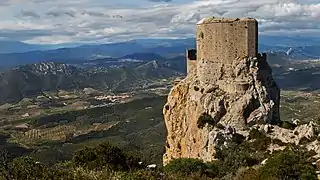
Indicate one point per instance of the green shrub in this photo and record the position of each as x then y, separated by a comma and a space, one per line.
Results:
247, 174
204, 119
85, 157
288, 164
186, 166
213, 169
26, 168
105, 155
55, 173
132, 160
235, 156
109, 154
256, 134
192, 176
259, 141
141, 175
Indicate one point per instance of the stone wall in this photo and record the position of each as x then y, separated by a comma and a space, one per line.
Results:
191, 55
222, 41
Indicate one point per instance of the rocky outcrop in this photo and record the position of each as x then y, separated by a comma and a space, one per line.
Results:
229, 87
224, 100
200, 116
300, 135
230, 98
305, 135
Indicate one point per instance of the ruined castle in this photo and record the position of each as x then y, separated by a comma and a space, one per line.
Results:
221, 41
227, 80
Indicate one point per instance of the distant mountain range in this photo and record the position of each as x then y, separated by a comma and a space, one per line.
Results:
32, 79
7, 46
125, 65
130, 72
17, 47
289, 41
16, 53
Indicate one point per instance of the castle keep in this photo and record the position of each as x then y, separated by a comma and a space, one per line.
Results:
220, 42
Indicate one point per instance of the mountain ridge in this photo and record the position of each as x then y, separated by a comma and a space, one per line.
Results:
167, 48
32, 79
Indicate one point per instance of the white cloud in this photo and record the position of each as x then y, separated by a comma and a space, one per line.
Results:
62, 21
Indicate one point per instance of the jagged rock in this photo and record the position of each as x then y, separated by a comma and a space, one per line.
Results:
236, 93
304, 135
307, 132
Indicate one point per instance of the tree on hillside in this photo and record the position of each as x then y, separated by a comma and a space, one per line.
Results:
5, 168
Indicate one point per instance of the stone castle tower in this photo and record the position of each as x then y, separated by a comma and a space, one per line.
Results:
220, 42
227, 80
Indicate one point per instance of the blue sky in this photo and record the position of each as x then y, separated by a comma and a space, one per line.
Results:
101, 21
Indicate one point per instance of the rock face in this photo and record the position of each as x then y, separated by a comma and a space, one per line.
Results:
221, 95
305, 135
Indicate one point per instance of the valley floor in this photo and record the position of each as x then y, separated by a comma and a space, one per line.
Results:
66, 121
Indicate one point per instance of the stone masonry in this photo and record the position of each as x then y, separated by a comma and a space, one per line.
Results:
221, 41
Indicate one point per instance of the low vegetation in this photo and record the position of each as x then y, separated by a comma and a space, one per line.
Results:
204, 119
106, 161
288, 164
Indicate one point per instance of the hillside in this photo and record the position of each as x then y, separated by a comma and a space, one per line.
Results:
131, 72
303, 79
31, 80
135, 125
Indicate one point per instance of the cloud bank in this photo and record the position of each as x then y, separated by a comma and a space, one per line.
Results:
98, 21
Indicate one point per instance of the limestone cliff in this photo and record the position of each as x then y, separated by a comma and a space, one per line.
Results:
222, 94
247, 96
